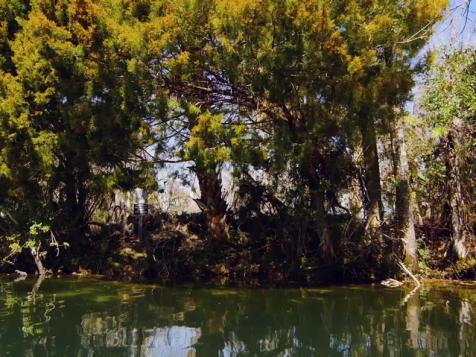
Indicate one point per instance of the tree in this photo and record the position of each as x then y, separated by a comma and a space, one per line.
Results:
449, 105
381, 40
403, 198
303, 72
73, 107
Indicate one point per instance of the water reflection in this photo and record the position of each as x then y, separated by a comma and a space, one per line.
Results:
99, 332
87, 318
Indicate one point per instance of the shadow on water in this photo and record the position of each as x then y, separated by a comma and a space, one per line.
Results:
62, 317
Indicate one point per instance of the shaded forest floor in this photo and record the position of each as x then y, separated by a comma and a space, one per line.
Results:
175, 249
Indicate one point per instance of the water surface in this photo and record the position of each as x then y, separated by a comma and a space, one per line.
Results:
67, 317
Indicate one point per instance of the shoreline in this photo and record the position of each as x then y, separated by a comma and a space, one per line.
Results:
240, 285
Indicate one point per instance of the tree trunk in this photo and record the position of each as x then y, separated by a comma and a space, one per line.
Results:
326, 247
318, 207
403, 203
35, 253
74, 177
211, 201
373, 204
355, 190
456, 202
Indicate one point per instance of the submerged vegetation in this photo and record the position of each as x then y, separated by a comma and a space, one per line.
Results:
286, 121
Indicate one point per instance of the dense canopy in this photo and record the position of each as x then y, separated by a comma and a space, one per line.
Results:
285, 121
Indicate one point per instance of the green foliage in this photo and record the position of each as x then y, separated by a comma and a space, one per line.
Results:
96, 96
38, 236
71, 112
424, 260
450, 90
449, 104
15, 248
37, 228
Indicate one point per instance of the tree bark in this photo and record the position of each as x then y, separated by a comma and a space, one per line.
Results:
403, 202
211, 201
326, 247
456, 202
317, 192
355, 190
373, 204
35, 253
75, 176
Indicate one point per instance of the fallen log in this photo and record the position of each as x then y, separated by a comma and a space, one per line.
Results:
392, 283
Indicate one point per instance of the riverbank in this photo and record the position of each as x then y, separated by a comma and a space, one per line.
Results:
215, 278
85, 276
178, 250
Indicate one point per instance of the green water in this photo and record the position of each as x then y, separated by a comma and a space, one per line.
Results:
66, 317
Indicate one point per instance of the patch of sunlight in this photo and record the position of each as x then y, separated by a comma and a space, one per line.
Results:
223, 292
104, 298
